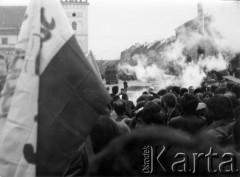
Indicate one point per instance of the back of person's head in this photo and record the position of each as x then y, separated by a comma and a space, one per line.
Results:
183, 90
143, 98
151, 113
197, 90
158, 101
236, 89
213, 88
169, 88
220, 90
162, 92
115, 98
207, 96
124, 156
125, 96
151, 97
233, 98
140, 104
120, 107
115, 89
176, 89
236, 135
189, 103
221, 107
104, 131
169, 100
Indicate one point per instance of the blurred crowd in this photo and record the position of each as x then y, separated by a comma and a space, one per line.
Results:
189, 120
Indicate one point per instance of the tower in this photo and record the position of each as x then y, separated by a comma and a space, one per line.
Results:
77, 13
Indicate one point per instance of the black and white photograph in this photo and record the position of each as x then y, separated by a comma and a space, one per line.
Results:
119, 88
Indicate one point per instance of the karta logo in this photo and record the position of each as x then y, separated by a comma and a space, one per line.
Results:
179, 162
147, 166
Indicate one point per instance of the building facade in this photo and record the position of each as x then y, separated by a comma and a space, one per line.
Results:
77, 13
11, 18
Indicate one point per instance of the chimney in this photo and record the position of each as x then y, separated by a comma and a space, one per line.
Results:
201, 17
200, 9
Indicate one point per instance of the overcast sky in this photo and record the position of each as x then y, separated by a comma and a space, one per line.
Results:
115, 25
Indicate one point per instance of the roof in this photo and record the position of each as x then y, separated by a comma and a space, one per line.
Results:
9, 31
154, 45
11, 16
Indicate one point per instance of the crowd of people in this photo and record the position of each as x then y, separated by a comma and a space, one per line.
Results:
193, 121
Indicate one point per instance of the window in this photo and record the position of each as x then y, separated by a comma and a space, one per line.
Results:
4, 40
74, 25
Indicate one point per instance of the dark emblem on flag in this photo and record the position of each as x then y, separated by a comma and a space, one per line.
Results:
47, 27
29, 154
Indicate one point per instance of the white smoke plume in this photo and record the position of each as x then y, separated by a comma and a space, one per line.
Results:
214, 63
221, 41
192, 75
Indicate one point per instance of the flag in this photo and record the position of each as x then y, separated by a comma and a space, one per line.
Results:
93, 63
52, 96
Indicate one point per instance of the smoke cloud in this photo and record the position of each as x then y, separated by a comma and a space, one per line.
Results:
219, 44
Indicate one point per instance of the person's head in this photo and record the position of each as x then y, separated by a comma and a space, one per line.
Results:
140, 104
151, 113
151, 89
220, 90
158, 101
115, 98
191, 89
120, 107
108, 131
183, 90
151, 97
162, 92
233, 98
107, 88
221, 107
197, 90
125, 96
189, 103
236, 89
169, 100
176, 90
213, 88
115, 89
207, 96
199, 96
123, 157
143, 98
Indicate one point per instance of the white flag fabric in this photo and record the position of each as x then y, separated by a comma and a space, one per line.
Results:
39, 40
